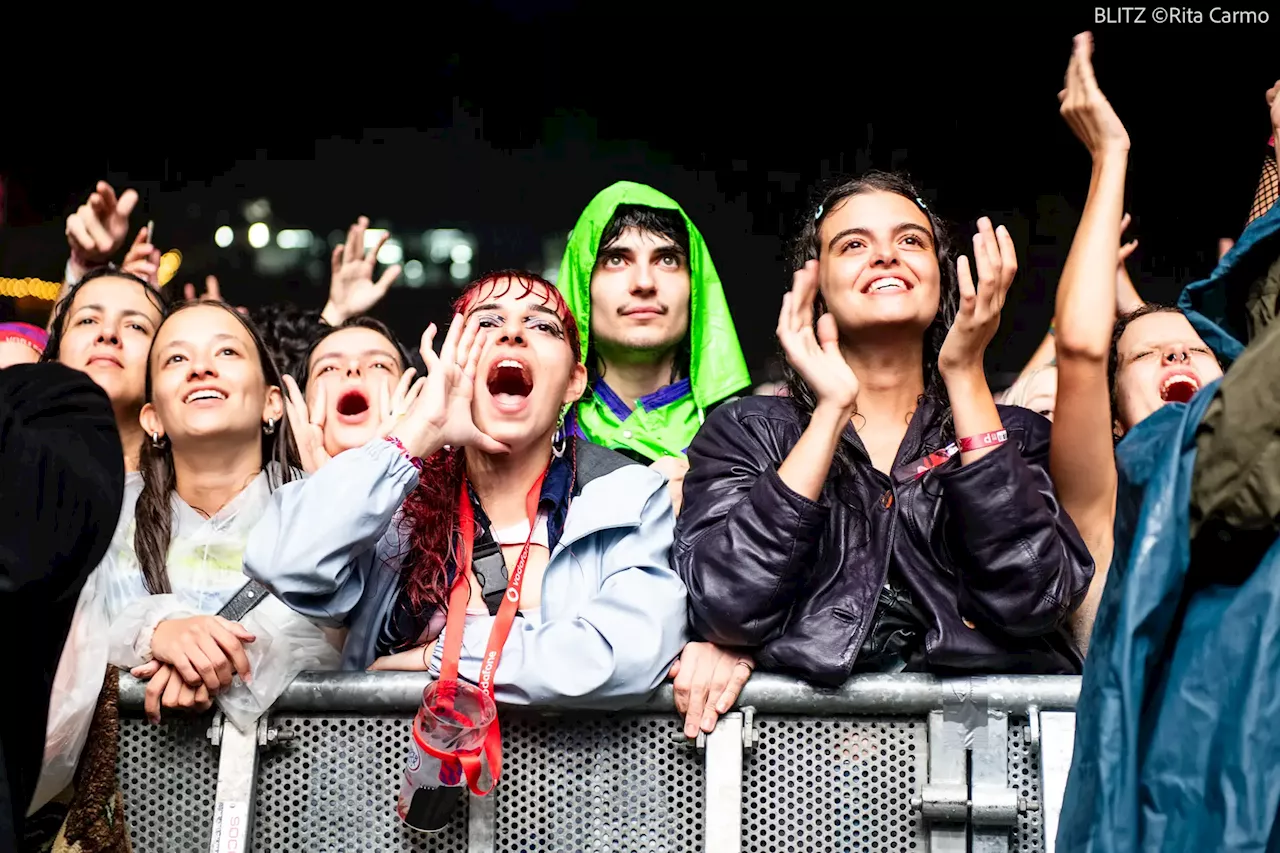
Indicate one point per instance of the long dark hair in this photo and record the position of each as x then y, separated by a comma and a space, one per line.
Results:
431, 510
154, 515
57, 327
806, 247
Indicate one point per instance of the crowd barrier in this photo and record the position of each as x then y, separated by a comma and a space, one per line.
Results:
884, 763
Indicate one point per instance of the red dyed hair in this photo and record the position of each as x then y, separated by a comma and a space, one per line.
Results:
431, 510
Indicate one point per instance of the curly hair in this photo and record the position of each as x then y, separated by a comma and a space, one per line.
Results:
806, 247
289, 333
431, 510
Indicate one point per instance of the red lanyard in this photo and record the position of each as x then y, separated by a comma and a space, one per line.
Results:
459, 597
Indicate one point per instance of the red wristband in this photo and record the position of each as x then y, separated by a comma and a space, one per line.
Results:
983, 440
415, 461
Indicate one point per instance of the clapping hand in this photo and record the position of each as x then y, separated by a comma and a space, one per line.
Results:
816, 357
979, 315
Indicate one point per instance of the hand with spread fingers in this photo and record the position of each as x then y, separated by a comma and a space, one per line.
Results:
978, 317
815, 356
352, 290
99, 227
397, 402
440, 414
708, 680
307, 424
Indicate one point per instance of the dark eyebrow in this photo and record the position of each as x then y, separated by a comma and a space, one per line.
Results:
668, 246
369, 352
898, 229
222, 337
102, 309
493, 306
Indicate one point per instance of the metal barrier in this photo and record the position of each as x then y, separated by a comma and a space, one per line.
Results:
902, 763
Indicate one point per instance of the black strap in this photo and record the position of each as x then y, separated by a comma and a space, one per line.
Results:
490, 569
250, 596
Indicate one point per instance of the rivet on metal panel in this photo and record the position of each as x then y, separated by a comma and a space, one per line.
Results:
215, 730
1033, 715
748, 727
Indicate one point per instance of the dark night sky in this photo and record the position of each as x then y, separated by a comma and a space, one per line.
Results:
509, 121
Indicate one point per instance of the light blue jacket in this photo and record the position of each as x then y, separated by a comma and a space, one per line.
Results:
613, 614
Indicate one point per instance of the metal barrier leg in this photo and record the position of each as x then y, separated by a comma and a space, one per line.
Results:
233, 800
1057, 743
723, 830
482, 824
948, 788
994, 805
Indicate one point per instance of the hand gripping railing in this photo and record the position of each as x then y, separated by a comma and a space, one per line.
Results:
957, 730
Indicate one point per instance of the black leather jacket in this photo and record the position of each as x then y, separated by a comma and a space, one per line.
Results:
991, 561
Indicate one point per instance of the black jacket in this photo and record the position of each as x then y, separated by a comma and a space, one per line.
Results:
990, 559
61, 485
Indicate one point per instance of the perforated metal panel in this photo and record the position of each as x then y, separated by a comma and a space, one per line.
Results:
168, 775
1024, 777
333, 788
603, 782
820, 786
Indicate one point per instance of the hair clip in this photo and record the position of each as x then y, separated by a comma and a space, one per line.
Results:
818, 215
920, 202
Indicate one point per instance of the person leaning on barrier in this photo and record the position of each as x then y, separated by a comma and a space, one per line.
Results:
888, 515
61, 482
603, 613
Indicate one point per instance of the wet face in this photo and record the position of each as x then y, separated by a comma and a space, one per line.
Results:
877, 266
108, 332
639, 295
16, 352
207, 383
1160, 359
350, 372
528, 372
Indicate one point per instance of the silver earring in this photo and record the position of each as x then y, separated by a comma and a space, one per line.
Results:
156, 441
270, 428
559, 444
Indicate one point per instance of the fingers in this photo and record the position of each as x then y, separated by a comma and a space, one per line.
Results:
1127, 249
402, 387
968, 293
466, 341
353, 249
316, 413
78, 235
489, 444
371, 257
231, 636
673, 673
107, 194
92, 218
804, 286
1008, 259
189, 662
155, 689
218, 676
829, 335
699, 686
128, 201
427, 348
203, 701
683, 672
335, 259
211, 291
172, 690
472, 354
742, 669
189, 292
414, 392
1125, 222
389, 275
1084, 47
142, 673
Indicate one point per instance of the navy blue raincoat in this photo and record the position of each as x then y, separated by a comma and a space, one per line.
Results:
1178, 727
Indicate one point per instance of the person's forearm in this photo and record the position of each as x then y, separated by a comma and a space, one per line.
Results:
804, 471
973, 410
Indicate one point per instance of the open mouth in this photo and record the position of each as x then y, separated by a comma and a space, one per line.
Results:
887, 284
1179, 388
204, 394
509, 380
353, 403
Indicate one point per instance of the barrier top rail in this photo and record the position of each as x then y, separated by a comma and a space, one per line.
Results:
388, 692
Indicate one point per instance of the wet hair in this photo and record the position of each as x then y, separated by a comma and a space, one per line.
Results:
289, 333
663, 223
1018, 394
61, 311
806, 247
154, 515
1113, 357
431, 510
303, 364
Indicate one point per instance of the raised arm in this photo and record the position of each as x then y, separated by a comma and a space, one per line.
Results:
1082, 454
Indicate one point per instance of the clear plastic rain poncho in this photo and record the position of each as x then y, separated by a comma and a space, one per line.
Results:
116, 616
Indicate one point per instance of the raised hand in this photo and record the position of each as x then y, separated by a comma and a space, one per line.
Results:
817, 358
1273, 102
441, 413
979, 315
212, 293
143, 259
1085, 108
396, 403
307, 424
352, 290
98, 228
1127, 298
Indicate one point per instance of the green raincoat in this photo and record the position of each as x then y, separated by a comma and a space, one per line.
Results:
664, 422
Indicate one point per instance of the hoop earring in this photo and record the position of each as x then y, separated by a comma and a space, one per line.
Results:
561, 441
157, 440
270, 428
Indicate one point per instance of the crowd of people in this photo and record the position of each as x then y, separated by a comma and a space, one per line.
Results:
592, 447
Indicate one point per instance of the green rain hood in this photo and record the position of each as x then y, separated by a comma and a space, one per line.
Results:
717, 367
